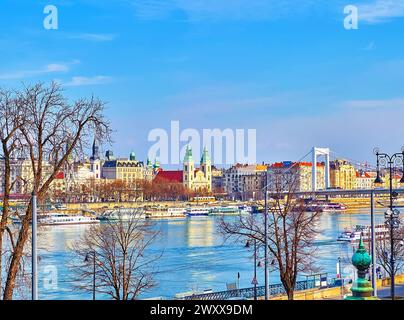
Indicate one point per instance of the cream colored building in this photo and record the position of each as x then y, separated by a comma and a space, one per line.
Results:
298, 173
197, 178
244, 181
342, 175
363, 180
127, 170
22, 176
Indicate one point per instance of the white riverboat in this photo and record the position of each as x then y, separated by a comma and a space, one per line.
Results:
162, 213
333, 207
326, 207
229, 211
244, 209
56, 219
381, 231
197, 211
124, 214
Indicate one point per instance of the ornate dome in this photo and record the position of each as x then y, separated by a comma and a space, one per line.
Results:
361, 258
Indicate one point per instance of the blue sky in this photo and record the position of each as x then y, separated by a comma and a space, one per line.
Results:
287, 68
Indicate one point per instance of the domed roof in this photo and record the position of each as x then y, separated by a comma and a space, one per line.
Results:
205, 156
156, 164
132, 156
188, 155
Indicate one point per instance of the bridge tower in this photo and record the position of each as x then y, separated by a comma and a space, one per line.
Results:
320, 152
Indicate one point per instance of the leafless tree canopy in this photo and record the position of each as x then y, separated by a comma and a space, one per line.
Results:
123, 267
383, 252
291, 230
12, 118
39, 124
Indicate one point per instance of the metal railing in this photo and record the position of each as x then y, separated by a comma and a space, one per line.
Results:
248, 293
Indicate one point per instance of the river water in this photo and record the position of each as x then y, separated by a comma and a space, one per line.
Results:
195, 257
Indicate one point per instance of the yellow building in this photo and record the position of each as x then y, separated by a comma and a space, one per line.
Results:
395, 181
342, 175
127, 170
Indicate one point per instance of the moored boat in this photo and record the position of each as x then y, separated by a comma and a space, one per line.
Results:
325, 207
230, 210
333, 207
381, 232
197, 211
244, 209
54, 219
161, 213
122, 214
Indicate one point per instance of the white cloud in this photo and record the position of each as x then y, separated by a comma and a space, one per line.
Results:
380, 11
96, 37
55, 67
22, 74
86, 81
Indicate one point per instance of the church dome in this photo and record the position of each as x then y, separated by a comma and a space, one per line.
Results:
132, 156
205, 156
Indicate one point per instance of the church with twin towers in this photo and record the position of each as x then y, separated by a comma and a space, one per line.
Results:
197, 178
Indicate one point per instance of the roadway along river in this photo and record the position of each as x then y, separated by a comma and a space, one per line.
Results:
194, 258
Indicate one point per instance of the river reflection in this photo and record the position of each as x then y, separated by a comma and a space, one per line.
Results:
194, 255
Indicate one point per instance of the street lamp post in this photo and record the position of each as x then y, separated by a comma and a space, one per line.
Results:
373, 243
87, 259
266, 237
339, 275
255, 269
34, 248
254, 280
392, 216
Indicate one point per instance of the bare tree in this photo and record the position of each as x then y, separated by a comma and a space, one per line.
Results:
53, 131
123, 267
291, 230
11, 119
383, 252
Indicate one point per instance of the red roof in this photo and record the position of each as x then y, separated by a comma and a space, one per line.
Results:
298, 164
60, 175
362, 175
169, 176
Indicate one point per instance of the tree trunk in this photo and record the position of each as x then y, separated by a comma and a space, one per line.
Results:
6, 197
1, 261
18, 253
288, 286
290, 294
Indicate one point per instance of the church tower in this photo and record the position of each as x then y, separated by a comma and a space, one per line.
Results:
95, 161
156, 165
188, 170
96, 153
206, 168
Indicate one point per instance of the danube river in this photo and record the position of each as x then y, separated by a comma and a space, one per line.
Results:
194, 256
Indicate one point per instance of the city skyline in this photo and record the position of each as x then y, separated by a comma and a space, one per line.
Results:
290, 71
